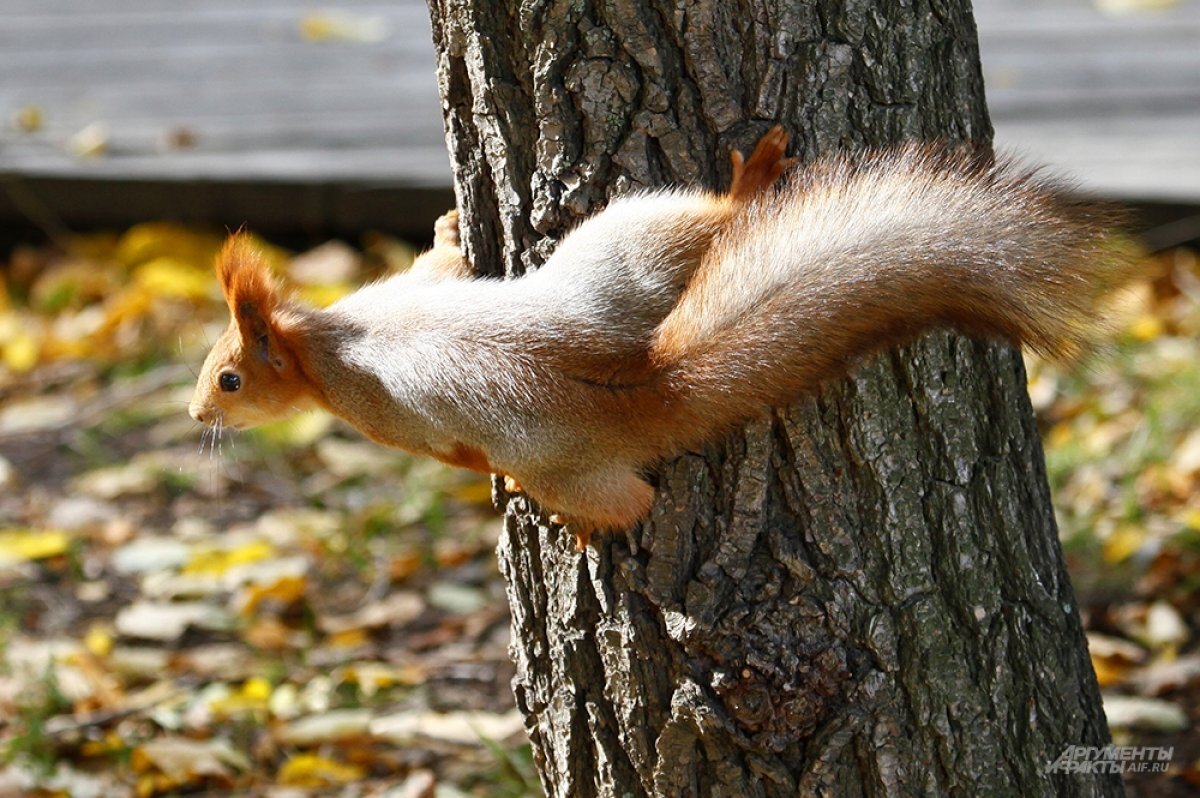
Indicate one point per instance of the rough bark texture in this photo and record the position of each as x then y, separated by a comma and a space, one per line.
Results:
863, 594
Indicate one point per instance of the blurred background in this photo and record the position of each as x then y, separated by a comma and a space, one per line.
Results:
294, 611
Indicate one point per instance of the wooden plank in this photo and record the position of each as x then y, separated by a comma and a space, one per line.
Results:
1113, 100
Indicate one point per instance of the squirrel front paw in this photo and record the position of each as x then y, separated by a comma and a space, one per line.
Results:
445, 230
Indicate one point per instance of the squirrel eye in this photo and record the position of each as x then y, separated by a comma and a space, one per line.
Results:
229, 382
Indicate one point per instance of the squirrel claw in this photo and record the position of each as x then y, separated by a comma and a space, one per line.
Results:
511, 485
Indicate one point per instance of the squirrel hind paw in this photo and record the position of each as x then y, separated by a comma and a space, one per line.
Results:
764, 166
446, 230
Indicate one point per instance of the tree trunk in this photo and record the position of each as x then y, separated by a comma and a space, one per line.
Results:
862, 595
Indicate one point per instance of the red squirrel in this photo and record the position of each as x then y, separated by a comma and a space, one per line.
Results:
667, 319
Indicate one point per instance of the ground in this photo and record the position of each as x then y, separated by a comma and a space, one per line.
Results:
294, 611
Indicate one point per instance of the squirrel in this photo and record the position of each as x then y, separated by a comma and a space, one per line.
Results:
668, 319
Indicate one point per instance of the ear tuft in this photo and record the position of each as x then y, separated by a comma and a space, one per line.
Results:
246, 277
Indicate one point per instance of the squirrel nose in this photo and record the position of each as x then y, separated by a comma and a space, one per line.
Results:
198, 413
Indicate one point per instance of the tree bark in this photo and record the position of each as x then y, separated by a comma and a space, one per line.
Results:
863, 594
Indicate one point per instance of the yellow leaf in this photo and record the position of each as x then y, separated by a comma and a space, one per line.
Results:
1146, 328
286, 590
145, 242
300, 430
257, 688
131, 304
22, 545
109, 744
98, 640
172, 277
21, 352
1109, 672
1191, 519
252, 696
349, 638
313, 772
1059, 435
216, 562
1123, 543
326, 294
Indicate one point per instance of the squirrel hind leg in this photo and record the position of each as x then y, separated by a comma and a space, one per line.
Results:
593, 502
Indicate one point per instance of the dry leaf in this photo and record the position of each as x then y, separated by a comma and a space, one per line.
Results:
90, 142
23, 545
328, 727
459, 728
314, 772
185, 761
1147, 714
167, 621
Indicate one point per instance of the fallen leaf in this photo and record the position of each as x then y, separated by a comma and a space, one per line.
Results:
1167, 676
1146, 714
459, 727
168, 621
371, 677
419, 784
90, 142
23, 545
456, 598
185, 761
111, 482
253, 696
150, 554
1186, 458
23, 416
98, 640
172, 277
21, 351
302, 429
353, 458
331, 263
314, 772
1165, 627
216, 561
271, 634
1123, 543
397, 608
332, 726
283, 592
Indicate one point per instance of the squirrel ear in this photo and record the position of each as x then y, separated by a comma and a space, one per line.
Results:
251, 293
258, 334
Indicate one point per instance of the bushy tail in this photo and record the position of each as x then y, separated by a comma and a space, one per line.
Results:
858, 254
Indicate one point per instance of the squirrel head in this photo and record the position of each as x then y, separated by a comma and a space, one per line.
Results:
253, 373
